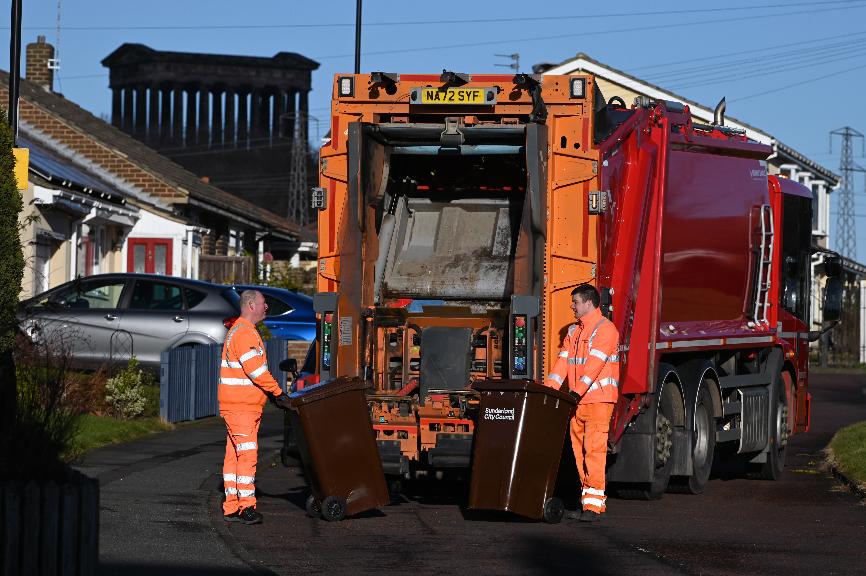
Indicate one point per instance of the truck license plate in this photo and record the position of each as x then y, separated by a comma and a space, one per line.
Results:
453, 96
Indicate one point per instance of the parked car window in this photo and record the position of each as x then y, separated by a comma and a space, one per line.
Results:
276, 307
193, 297
87, 294
151, 295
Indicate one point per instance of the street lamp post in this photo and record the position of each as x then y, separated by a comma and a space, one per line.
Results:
357, 37
15, 68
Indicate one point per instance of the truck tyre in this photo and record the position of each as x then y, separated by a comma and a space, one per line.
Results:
703, 442
663, 460
778, 441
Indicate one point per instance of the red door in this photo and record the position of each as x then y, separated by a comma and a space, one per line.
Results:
149, 255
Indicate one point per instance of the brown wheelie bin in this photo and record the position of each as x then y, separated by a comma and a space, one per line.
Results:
338, 449
518, 444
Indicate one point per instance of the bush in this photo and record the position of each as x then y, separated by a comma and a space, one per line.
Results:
41, 433
124, 393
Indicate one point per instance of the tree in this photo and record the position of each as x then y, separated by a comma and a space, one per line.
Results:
11, 272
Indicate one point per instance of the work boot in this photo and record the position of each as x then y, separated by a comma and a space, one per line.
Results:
590, 516
250, 516
233, 517
573, 514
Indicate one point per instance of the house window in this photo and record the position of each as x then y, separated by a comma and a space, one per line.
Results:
236, 242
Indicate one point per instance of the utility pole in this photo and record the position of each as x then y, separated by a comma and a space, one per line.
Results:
15, 68
357, 37
298, 206
846, 230
515, 61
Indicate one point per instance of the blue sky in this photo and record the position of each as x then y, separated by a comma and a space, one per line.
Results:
794, 69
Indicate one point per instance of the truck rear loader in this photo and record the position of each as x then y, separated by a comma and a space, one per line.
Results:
456, 213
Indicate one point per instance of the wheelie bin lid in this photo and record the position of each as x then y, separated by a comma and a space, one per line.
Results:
325, 390
521, 386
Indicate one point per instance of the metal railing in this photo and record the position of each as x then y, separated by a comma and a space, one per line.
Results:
189, 376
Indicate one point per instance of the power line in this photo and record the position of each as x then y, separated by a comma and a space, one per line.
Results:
521, 19
504, 40
799, 83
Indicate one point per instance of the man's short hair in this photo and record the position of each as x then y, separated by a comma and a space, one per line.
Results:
248, 297
587, 292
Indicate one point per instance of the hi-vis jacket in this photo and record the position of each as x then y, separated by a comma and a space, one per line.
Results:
244, 376
589, 359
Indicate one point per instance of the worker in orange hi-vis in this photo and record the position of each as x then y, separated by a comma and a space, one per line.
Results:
589, 360
244, 386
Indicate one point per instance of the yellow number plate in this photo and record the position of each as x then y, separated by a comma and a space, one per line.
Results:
453, 96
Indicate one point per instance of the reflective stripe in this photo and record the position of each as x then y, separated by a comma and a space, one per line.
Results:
246, 479
229, 364
608, 382
598, 354
563, 354
236, 382
577, 360
586, 380
248, 355
594, 492
595, 330
258, 371
614, 358
592, 502
555, 378
230, 491
229, 478
246, 493
246, 446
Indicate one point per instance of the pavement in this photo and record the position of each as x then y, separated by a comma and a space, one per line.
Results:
161, 512
159, 500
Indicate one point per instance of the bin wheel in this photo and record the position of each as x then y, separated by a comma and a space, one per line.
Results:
553, 511
333, 508
314, 507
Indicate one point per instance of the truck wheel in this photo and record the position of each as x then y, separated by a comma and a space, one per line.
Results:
313, 507
703, 442
553, 511
663, 444
333, 508
778, 442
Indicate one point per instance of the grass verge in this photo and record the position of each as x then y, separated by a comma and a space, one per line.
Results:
97, 431
848, 454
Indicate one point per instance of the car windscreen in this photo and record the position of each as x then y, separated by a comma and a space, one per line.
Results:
276, 307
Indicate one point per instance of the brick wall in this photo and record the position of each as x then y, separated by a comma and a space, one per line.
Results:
297, 349
37, 70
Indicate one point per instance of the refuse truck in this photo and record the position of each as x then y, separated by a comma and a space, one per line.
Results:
456, 212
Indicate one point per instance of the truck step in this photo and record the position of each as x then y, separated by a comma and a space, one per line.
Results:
727, 435
743, 381
731, 408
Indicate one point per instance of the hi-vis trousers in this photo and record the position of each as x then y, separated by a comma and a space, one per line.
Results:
239, 466
589, 428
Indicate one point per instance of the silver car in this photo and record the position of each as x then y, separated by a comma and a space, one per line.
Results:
109, 317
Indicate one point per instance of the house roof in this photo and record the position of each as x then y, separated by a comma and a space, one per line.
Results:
187, 184
582, 61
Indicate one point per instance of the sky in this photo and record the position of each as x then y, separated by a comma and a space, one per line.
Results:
794, 69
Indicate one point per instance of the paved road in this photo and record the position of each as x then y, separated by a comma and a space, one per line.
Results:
803, 524
161, 514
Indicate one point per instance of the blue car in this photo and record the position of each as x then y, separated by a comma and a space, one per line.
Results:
290, 315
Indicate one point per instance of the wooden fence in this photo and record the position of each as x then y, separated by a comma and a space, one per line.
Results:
226, 269
50, 528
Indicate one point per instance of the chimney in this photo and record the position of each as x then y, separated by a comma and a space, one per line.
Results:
39, 54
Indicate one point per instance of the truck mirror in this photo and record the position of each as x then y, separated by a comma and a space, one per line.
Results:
290, 365
833, 299
792, 286
833, 266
